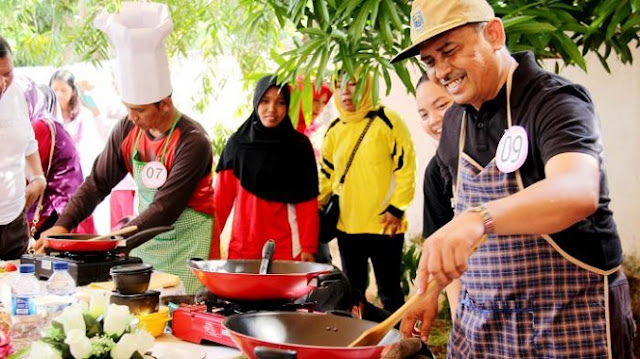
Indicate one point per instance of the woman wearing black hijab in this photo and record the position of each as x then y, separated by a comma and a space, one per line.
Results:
267, 173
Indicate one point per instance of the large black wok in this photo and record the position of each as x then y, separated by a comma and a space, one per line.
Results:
239, 279
309, 335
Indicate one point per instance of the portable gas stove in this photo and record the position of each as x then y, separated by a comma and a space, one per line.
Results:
203, 322
85, 267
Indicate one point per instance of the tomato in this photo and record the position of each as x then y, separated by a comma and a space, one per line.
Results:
10, 267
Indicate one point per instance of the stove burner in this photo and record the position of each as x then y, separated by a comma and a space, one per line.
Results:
226, 308
84, 268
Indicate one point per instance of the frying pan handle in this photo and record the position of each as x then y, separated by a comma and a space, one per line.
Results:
274, 353
144, 236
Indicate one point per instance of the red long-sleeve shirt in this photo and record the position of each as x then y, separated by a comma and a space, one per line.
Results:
293, 227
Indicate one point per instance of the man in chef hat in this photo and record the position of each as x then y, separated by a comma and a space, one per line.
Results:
168, 154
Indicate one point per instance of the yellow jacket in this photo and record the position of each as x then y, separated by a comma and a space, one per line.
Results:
381, 177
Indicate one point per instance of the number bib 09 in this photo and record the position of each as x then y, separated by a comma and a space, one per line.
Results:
154, 174
512, 149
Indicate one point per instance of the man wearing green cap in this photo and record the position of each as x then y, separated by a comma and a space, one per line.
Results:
523, 151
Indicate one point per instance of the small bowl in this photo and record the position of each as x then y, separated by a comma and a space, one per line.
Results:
131, 278
154, 323
138, 304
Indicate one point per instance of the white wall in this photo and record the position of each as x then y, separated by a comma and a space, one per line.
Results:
617, 99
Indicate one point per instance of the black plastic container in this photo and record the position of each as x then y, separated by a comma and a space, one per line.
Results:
131, 278
144, 303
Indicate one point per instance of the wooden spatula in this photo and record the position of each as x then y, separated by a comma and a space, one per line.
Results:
372, 336
120, 231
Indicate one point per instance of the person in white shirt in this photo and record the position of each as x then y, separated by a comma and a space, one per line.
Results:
20, 160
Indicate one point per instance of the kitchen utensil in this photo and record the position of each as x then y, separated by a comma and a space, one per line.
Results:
131, 278
373, 335
80, 242
309, 335
119, 232
267, 253
239, 279
144, 303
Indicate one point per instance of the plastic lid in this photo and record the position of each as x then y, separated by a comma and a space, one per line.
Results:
60, 266
131, 268
27, 268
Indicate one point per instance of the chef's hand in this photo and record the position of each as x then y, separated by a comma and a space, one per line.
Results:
39, 246
446, 252
391, 223
34, 190
406, 348
422, 315
307, 257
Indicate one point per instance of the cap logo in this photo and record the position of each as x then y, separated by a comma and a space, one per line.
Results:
417, 21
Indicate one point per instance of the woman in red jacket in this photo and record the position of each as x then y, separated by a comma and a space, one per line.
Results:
267, 173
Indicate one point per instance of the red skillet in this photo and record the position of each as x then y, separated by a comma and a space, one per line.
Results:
83, 242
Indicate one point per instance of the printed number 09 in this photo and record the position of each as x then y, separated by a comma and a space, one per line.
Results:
512, 149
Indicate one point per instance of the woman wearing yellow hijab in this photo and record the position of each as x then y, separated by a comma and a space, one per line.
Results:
377, 189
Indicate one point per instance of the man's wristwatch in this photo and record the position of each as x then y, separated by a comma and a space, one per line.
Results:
487, 218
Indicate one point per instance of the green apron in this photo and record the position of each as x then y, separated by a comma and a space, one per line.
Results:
168, 252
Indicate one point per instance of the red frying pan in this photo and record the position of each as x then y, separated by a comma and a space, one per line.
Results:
85, 243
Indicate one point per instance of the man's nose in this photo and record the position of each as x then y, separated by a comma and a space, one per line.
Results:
442, 69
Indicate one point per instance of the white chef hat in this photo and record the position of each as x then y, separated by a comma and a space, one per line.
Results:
137, 34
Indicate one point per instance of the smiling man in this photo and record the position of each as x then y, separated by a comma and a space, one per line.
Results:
168, 154
523, 148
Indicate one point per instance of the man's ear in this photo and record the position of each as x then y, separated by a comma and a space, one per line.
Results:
494, 33
166, 104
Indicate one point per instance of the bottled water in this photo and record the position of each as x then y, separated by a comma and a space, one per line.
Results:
61, 288
61, 283
24, 291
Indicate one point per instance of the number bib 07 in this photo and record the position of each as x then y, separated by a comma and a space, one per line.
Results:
154, 174
512, 149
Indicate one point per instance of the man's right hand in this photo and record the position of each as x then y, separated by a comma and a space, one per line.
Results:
39, 246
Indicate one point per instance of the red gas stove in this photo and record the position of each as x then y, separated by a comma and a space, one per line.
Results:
194, 323
203, 322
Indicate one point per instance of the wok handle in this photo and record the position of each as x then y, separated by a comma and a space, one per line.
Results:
274, 353
315, 275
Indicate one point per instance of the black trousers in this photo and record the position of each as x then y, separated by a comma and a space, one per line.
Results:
623, 327
14, 238
385, 253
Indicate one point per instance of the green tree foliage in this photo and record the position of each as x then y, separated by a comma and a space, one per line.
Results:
312, 37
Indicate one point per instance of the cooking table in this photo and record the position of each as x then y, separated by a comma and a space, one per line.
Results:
167, 346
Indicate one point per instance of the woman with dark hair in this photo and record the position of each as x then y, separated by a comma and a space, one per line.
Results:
78, 122
267, 173
84, 131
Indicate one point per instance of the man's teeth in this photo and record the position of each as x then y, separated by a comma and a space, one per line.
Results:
454, 83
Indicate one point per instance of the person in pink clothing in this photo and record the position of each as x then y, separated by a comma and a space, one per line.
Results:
267, 173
